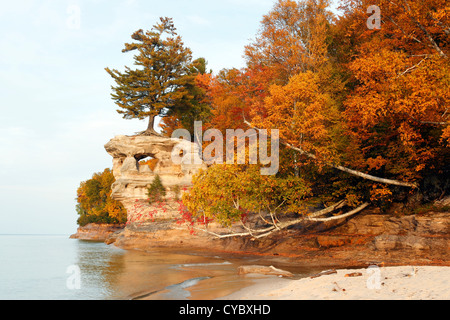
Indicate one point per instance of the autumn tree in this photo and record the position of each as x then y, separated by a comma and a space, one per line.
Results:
94, 203
324, 64
304, 87
231, 193
226, 99
298, 81
362, 114
292, 39
194, 106
160, 81
396, 111
261, 205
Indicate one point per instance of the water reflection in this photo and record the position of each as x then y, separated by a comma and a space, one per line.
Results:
111, 273
100, 268
38, 267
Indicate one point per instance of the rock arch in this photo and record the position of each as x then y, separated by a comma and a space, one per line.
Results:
132, 180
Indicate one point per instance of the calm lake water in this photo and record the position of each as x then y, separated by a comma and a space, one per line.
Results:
58, 268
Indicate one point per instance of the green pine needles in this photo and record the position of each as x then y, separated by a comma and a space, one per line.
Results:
160, 81
156, 192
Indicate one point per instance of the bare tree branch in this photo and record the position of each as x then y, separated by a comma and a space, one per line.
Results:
437, 123
344, 169
412, 68
260, 233
444, 27
322, 212
403, 31
433, 43
342, 216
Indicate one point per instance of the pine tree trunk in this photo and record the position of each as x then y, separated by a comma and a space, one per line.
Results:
150, 127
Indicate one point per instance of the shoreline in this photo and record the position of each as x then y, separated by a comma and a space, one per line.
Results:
384, 283
209, 280
97, 231
370, 238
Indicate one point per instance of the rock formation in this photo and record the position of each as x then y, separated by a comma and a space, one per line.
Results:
264, 270
97, 232
368, 238
133, 179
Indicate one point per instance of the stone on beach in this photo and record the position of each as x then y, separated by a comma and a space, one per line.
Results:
264, 270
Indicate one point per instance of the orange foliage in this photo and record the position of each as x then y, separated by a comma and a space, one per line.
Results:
151, 163
303, 113
397, 109
371, 103
223, 93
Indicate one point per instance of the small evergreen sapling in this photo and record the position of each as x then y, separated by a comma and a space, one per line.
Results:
156, 191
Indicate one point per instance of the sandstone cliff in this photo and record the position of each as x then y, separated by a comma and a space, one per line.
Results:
370, 237
97, 232
133, 179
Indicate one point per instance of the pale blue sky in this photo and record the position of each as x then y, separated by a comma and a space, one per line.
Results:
56, 111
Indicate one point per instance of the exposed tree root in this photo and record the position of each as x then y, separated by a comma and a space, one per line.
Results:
275, 227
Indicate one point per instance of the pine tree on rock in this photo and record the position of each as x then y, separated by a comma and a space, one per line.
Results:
158, 83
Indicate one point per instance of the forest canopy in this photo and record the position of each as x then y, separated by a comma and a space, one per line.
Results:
362, 111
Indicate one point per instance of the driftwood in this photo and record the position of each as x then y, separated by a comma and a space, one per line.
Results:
324, 273
353, 274
264, 270
275, 227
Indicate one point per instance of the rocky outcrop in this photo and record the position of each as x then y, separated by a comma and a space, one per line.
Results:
369, 238
415, 234
97, 232
133, 179
266, 270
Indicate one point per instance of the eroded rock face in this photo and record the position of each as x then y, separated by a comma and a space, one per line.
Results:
97, 232
133, 179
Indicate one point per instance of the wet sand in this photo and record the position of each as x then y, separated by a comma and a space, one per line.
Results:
170, 275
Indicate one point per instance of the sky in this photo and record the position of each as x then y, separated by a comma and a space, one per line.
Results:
56, 107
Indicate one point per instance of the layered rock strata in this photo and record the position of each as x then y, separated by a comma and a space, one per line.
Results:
368, 238
97, 232
133, 179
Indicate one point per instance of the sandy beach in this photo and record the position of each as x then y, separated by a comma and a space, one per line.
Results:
373, 283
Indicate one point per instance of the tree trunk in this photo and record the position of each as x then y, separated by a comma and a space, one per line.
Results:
150, 128
348, 214
427, 34
344, 169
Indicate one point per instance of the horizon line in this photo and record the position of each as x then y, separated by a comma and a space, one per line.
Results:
33, 234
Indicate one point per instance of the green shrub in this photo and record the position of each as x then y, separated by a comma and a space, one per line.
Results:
156, 191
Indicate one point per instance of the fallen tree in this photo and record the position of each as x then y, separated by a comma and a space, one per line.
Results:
342, 168
274, 226
231, 190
